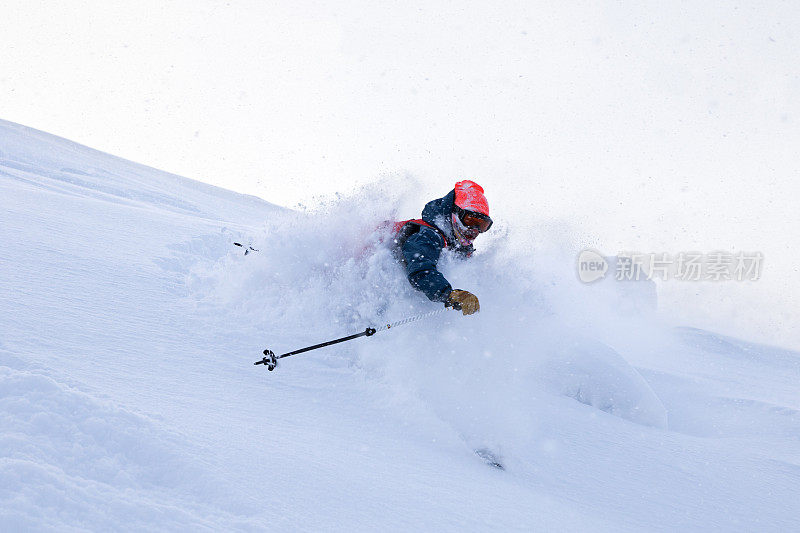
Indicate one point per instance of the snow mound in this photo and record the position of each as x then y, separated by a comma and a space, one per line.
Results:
62, 448
729, 347
596, 375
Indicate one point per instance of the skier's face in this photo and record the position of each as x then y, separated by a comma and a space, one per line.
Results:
464, 234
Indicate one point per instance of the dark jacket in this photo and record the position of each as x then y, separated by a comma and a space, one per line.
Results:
420, 250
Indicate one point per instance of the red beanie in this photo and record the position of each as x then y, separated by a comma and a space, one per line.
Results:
469, 196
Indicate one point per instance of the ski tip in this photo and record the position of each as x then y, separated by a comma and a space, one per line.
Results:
490, 458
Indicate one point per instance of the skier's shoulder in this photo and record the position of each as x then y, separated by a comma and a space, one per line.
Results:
427, 234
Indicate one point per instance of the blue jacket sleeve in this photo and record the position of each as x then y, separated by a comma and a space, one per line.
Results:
421, 252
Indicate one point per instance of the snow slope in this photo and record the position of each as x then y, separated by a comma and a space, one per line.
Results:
129, 401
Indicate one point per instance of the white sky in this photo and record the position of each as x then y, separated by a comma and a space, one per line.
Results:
652, 126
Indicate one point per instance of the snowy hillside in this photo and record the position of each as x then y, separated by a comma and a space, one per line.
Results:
129, 399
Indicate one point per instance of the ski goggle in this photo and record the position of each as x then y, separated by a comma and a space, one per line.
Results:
472, 220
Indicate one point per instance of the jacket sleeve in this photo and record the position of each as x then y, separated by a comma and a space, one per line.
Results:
421, 252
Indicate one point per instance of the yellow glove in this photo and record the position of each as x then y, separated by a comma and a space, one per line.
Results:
464, 300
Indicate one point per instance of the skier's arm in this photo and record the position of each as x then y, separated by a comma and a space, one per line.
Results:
421, 252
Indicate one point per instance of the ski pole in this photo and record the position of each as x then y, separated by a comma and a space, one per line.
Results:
270, 360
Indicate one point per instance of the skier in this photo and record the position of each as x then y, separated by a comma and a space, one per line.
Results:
452, 222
